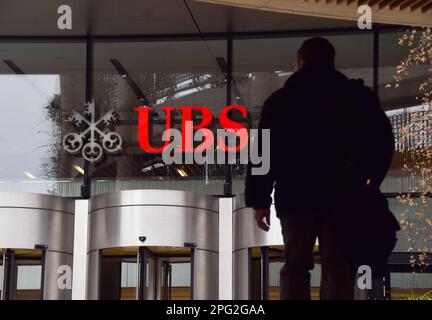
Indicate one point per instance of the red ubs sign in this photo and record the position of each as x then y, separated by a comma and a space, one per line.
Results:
187, 123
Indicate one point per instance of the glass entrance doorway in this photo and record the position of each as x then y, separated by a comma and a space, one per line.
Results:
146, 273
264, 266
22, 274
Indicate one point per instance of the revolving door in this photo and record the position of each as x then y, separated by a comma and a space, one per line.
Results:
36, 245
258, 256
255, 252
153, 244
141, 273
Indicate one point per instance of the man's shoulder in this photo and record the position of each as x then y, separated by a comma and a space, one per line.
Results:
276, 97
363, 92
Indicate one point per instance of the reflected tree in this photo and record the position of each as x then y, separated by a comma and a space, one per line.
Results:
416, 147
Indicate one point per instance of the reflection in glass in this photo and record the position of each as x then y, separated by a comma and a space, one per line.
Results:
410, 285
258, 71
168, 274
28, 282
168, 73
39, 84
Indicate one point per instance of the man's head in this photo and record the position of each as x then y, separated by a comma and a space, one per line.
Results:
316, 52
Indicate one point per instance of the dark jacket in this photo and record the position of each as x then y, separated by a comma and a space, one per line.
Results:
327, 133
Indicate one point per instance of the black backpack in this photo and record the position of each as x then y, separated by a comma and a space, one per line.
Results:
363, 222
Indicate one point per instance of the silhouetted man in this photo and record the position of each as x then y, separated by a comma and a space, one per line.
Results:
315, 121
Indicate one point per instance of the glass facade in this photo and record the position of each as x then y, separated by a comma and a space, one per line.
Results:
42, 84
261, 66
120, 75
49, 81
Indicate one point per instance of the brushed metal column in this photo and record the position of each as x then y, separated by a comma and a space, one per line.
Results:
247, 235
80, 250
225, 248
93, 275
241, 274
205, 275
52, 289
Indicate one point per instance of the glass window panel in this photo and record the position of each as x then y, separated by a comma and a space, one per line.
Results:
28, 280
29, 277
258, 71
39, 85
165, 73
410, 285
391, 54
274, 280
416, 237
274, 276
128, 274
181, 274
411, 280
402, 104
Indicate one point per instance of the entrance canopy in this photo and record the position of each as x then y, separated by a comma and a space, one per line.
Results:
169, 17
403, 12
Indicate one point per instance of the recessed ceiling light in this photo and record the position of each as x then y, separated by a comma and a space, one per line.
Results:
29, 175
181, 172
79, 169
